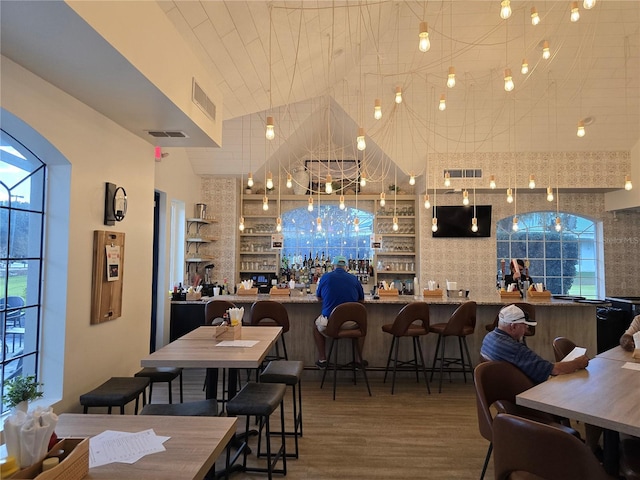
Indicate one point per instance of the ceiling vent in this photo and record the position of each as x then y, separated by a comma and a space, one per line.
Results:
463, 173
167, 134
203, 101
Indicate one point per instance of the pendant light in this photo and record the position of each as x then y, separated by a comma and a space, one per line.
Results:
442, 106
627, 183
342, 205
265, 203
514, 225
447, 179
524, 69
356, 224
412, 179
319, 223
508, 80
492, 182
424, 44
395, 200
575, 12
360, 140
427, 202
279, 224
535, 18
505, 9
289, 181
589, 4
398, 95
377, 109
581, 131
328, 188
509, 195
451, 77
270, 133
269, 181
465, 197
310, 205
546, 53
250, 180
532, 182
241, 224
549, 194
382, 199
434, 224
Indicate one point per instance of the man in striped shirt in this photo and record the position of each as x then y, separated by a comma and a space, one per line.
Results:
505, 344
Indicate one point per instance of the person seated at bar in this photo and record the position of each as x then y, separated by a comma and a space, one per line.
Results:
504, 343
519, 274
335, 288
626, 340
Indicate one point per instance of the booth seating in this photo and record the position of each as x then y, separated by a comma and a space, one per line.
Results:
116, 392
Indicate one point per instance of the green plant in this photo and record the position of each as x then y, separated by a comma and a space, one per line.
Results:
20, 389
393, 188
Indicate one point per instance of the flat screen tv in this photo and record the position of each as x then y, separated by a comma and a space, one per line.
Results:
455, 221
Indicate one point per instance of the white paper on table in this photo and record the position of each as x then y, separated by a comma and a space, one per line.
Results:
126, 447
632, 366
575, 353
237, 343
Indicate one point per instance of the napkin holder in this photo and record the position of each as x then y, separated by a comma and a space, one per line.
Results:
432, 293
74, 462
509, 295
535, 295
194, 296
279, 291
391, 292
248, 291
636, 354
229, 332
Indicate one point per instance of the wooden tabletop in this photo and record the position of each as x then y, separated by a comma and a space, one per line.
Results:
603, 394
618, 353
200, 349
191, 451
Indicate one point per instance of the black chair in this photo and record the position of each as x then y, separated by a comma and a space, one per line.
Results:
162, 375
269, 313
215, 310
562, 347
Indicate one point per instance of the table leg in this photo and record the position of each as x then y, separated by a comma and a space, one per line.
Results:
212, 383
611, 447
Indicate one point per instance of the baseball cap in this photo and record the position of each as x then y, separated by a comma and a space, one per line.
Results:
339, 260
514, 314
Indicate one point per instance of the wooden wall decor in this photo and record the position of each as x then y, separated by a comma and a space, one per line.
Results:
108, 274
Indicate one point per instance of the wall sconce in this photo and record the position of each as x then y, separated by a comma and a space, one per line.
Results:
115, 204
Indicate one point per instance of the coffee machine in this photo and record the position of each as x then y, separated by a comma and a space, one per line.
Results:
208, 283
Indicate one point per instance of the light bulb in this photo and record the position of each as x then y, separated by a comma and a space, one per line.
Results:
589, 4
434, 224
451, 77
492, 182
250, 180
398, 95
505, 9
447, 179
412, 179
319, 224
509, 195
532, 182
575, 12
310, 206
514, 227
424, 44
289, 181
363, 181
535, 18
278, 224
581, 132
558, 224
342, 206
546, 53
270, 133
427, 203
627, 183
465, 198
356, 224
377, 109
508, 80
327, 186
382, 199
395, 224
524, 69
265, 203
443, 103
549, 194
474, 224
269, 181
360, 141
241, 225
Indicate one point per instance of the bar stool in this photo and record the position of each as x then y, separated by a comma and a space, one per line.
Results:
525, 307
162, 375
461, 323
199, 408
269, 313
347, 312
117, 391
260, 400
412, 321
288, 372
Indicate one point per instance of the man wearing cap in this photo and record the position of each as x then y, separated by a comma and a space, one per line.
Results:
335, 288
504, 344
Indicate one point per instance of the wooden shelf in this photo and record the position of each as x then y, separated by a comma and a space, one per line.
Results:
394, 254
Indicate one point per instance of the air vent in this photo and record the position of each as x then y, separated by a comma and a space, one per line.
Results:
203, 101
167, 134
463, 173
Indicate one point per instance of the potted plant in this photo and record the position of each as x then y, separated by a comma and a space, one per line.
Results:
20, 390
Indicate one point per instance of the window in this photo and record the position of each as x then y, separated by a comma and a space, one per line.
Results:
22, 194
567, 262
337, 236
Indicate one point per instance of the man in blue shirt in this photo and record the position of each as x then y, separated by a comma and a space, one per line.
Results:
335, 288
505, 344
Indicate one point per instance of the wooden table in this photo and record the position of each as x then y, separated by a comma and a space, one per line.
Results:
619, 354
191, 451
604, 394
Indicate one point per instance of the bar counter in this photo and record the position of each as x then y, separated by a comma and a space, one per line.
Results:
555, 318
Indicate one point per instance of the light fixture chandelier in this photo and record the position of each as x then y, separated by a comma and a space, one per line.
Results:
508, 80
434, 223
342, 205
451, 77
474, 224
627, 183
412, 179
289, 180
443, 103
514, 225
465, 197
535, 18
524, 69
509, 195
427, 201
492, 182
360, 140
447, 179
328, 188
558, 226
265, 203
589, 4
549, 194
546, 53
310, 204
532, 182
575, 12
270, 132
356, 224
382, 199
377, 109
395, 224
505, 9
269, 181
319, 223
581, 131
250, 180
398, 95
241, 224
424, 44
279, 224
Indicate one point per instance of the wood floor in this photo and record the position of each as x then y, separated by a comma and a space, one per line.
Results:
407, 435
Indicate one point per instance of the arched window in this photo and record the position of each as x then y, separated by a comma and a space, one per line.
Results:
567, 262
338, 235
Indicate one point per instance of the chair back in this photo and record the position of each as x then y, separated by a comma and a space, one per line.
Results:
269, 312
410, 313
216, 309
350, 311
562, 346
464, 318
524, 445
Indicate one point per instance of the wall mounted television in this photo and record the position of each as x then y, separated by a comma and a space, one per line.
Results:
455, 221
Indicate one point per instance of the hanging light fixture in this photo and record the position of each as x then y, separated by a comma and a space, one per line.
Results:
505, 9
377, 109
412, 179
509, 195
514, 225
241, 224
447, 179
558, 226
492, 182
549, 194
424, 44
269, 181
532, 182
535, 18
265, 203
360, 141
546, 53
278, 224
508, 80
589, 4
474, 224
451, 77
310, 205
398, 95
575, 12
319, 224
465, 197
250, 180
443, 103
342, 205
558, 221
524, 69
289, 180
427, 202
434, 224
363, 180
627, 183
382, 199
395, 224
270, 133
328, 188
581, 131
356, 224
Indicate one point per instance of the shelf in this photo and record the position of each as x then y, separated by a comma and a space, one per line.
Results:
257, 234
273, 217
394, 254
199, 259
395, 272
397, 234
258, 253
400, 217
200, 240
201, 220
257, 271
